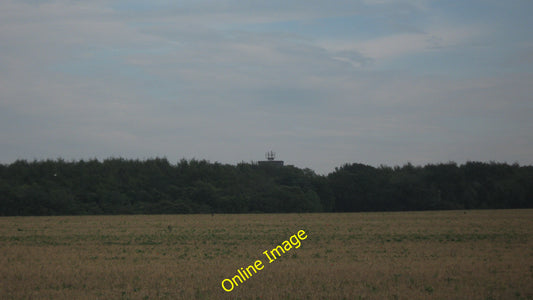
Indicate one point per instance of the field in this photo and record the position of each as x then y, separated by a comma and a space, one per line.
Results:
402, 255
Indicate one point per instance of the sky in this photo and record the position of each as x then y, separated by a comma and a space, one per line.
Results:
321, 83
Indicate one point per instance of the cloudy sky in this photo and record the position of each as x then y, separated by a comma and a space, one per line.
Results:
320, 82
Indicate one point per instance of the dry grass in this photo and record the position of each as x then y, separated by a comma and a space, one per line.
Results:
407, 255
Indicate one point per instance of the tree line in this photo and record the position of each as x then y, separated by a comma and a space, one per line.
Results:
155, 186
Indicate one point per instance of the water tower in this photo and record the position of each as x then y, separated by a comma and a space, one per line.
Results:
271, 156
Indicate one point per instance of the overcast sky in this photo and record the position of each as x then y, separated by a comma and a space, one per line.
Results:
320, 82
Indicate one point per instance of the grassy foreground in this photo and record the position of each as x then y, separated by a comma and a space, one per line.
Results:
403, 255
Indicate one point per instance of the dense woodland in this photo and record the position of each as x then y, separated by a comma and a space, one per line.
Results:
155, 186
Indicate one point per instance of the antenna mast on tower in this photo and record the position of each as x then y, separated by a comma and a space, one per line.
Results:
270, 155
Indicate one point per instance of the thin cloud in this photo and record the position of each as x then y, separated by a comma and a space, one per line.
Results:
395, 46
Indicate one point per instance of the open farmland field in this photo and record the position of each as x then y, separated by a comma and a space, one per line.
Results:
401, 255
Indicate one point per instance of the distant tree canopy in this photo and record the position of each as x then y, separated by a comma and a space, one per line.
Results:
473, 185
155, 186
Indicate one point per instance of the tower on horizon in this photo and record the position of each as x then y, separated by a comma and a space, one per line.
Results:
270, 156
